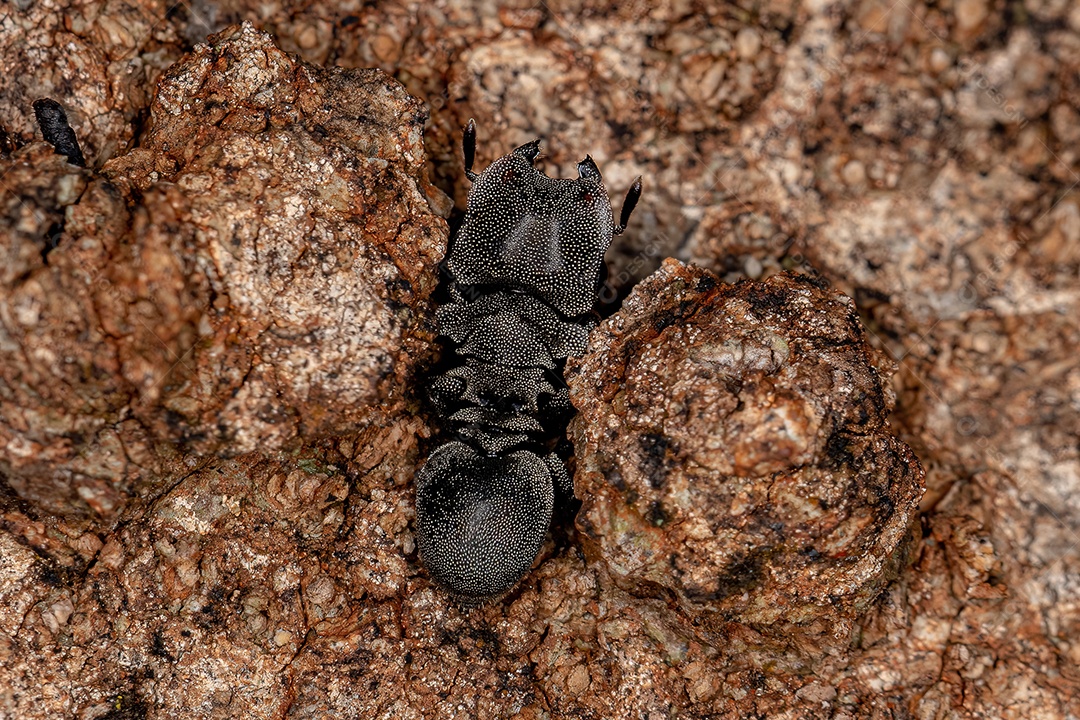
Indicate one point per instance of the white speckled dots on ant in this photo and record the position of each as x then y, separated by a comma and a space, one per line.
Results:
524, 270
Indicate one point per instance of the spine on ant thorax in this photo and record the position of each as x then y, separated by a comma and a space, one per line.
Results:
525, 268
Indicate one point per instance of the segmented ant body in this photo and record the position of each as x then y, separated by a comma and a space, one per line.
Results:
525, 269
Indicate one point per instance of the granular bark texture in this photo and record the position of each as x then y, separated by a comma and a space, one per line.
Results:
251, 275
99, 60
921, 157
732, 449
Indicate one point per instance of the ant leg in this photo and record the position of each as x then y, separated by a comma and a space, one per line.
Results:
468, 146
632, 196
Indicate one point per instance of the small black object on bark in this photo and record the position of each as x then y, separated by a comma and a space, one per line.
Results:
53, 122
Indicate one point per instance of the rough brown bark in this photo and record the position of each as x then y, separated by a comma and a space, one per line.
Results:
732, 450
210, 343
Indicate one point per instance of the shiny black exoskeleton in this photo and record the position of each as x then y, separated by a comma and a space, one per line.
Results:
525, 269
